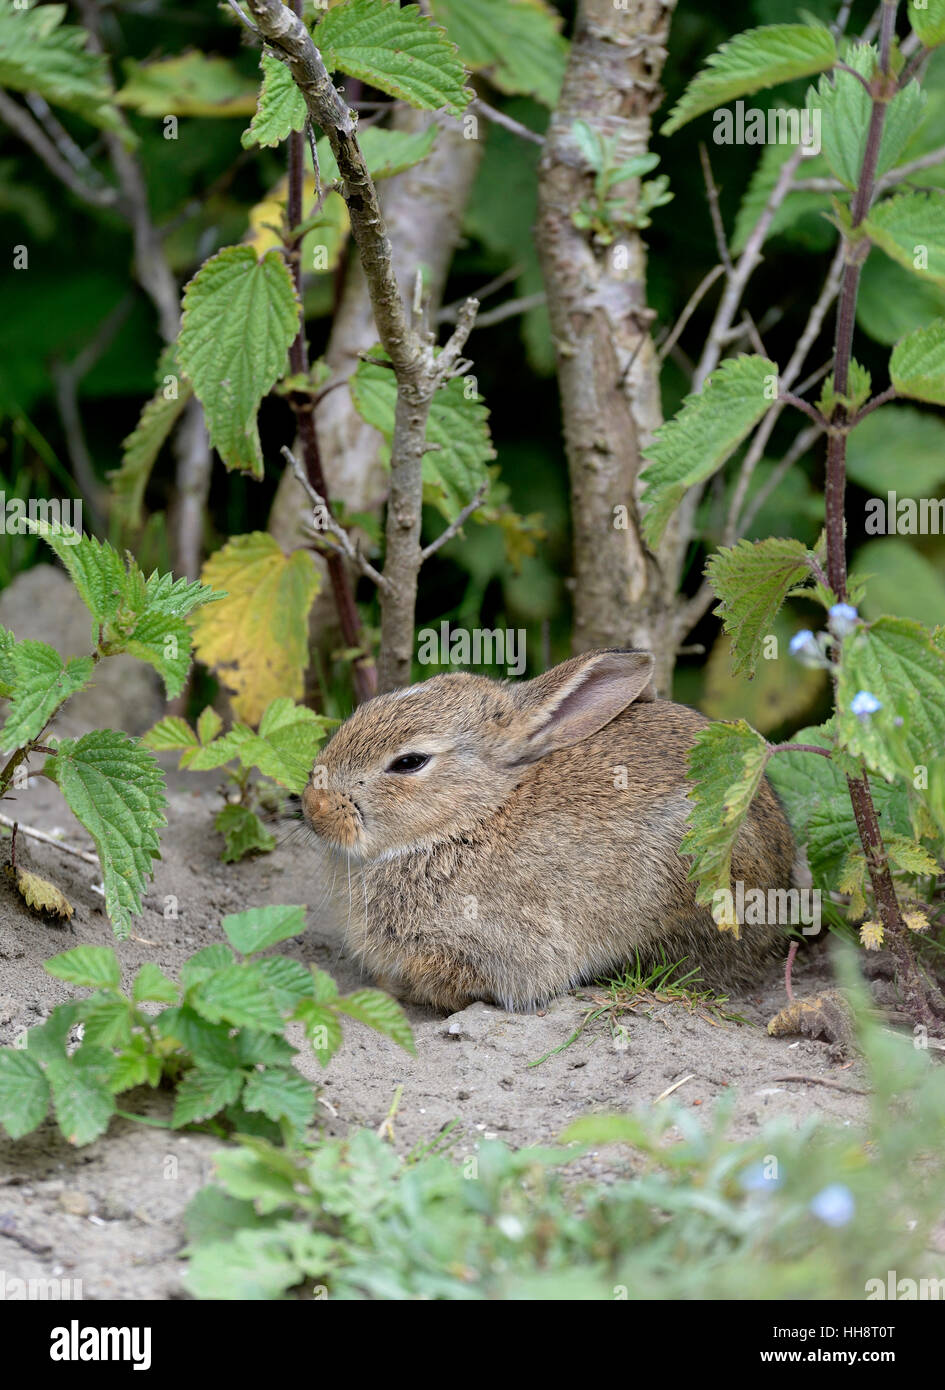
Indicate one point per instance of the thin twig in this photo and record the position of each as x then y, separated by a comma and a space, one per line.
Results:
798, 449
511, 309
884, 397
823, 1081
448, 312
346, 545
456, 525
712, 193
45, 839
30, 131
483, 108
695, 299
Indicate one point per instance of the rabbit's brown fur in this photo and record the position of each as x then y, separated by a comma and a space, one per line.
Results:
511, 867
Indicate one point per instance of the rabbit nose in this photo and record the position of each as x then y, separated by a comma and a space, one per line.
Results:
316, 802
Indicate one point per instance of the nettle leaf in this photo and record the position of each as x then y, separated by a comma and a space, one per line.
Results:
280, 106
859, 385
202, 964
915, 438
209, 725
909, 857
116, 790
260, 927
141, 448
702, 435
243, 833
95, 568
386, 152
289, 981
38, 53
41, 683
726, 765
380, 1012
164, 643
170, 735
399, 51
845, 107
256, 638
453, 472
289, 737
753, 579
24, 1092
518, 41
917, 365
910, 228
94, 966
281, 1094
191, 84
803, 780
928, 21
896, 662
240, 316
177, 597
758, 58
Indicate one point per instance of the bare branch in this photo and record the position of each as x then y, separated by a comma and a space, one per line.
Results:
46, 839
482, 108
30, 131
346, 546
456, 525
511, 309
712, 193
695, 299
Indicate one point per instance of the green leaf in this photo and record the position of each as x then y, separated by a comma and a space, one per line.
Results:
380, 1012
800, 214
753, 579
280, 106
899, 579
454, 471
758, 58
255, 1049
152, 983
386, 152
189, 84
204, 1091
895, 661
917, 365
209, 725
914, 438
178, 597
516, 41
170, 735
238, 996
399, 51
106, 1023
243, 833
726, 765
804, 780
116, 790
281, 1094
240, 316
288, 979
260, 927
859, 385
95, 966
141, 448
38, 53
702, 435
204, 963
40, 683
24, 1092
845, 108
891, 302
82, 1097
164, 643
322, 1028
206, 1042
909, 857
911, 229
928, 21
95, 568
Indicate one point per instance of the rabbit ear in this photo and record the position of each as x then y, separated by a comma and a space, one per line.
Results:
577, 698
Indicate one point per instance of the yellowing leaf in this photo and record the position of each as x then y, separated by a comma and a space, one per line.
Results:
42, 895
191, 84
322, 243
871, 935
257, 638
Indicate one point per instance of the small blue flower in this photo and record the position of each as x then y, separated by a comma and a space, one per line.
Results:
757, 1178
843, 619
835, 1205
808, 649
864, 704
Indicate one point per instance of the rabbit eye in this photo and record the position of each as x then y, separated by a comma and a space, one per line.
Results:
409, 762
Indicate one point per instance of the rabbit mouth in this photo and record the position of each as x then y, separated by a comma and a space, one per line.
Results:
335, 818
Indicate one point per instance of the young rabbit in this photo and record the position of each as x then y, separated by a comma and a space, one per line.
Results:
484, 847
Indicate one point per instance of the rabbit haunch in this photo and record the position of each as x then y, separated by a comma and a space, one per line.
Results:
483, 841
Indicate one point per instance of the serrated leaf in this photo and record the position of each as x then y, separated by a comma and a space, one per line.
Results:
859, 385
41, 683
116, 790
386, 152
325, 233
280, 106
895, 661
209, 725
42, 895
189, 84
289, 737
170, 735
399, 51
222, 750
164, 643
240, 316
917, 365
804, 780
516, 41
288, 979
38, 53
322, 1028
726, 765
910, 228
909, 857
255, 1049
928, 21
452, 473
95, 568
151, 983
752, 580
177, 597
237, 995
260, 927
106, 1023
24, 1092
204, 963
702, 435
206, 1042
82, 1097
380, 1012
243, 833
93, 966
751, 61
845, 107
256, 639
140, 449
281, 1094
204, 1091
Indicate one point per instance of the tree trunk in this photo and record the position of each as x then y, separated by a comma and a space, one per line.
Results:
607, 369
